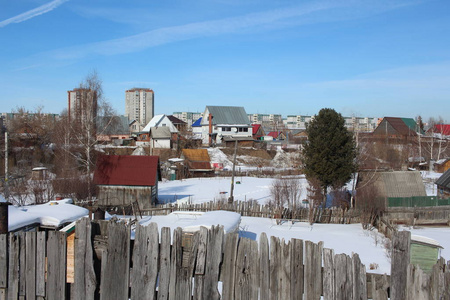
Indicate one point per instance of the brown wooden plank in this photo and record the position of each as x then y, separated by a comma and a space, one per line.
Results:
85, 281
329, 292
229, 266
164, 258
41, 254
213, 260
115, 271
13, 267
30, 265
296, 269
3, 261
399, 264
144, 273
56, 265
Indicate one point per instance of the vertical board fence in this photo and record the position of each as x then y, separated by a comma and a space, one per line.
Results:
205, 265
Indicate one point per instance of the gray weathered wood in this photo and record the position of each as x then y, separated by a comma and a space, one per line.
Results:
144, 273
329, 292
41, 254
400, 258
247, 283
264, 267
418, 284
284, 271
85, 281
213, 260
115, 271
275, 257
3, 261
342, 279
380, 285
30, 265
13, 267
199, 273
296, 269
56, 265
175, 262
313, 270
359, 278
164, 258
22, 264
229, 266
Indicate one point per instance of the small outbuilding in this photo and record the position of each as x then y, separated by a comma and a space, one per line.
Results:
443, 185
424, 252
125, 180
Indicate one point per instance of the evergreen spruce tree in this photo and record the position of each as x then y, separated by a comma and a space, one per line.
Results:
330, 153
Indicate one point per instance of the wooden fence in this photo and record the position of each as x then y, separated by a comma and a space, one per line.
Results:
205, 265
333, 215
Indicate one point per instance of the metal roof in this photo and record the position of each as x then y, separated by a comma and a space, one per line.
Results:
232, 115
444, 180
160, 132
131, 170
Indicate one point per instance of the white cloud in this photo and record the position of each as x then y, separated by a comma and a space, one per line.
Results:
33, 13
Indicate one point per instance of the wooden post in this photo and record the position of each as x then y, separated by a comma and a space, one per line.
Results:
56, 265
264, 267
3, 265
213, 260
41, 254
164, 258
329, 292
313, 270
399, 264
296, 269
30, 265
229, 265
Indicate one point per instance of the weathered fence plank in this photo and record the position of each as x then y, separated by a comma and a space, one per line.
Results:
116, 263
144, 273
329, 292
199, 272
296, 269
164, 258
30, 265
41, 254
22, 265
284, 281
247, 267
213, 260
275, 257
399, 264
359, 280
342, 279
229, 266
418, 284
313, 270
3, 261
56, 265
176, 261
13, 267
84, 275
264, 267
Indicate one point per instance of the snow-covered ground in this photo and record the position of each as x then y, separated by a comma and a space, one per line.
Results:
369, 244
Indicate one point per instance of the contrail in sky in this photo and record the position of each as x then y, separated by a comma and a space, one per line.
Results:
33, 13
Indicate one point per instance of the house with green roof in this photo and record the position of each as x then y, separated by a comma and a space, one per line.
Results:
397, 128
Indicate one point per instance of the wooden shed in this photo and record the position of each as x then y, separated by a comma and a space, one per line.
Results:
123, 180
424, 252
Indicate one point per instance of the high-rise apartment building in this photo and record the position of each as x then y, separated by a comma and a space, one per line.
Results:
82, 105
140, 105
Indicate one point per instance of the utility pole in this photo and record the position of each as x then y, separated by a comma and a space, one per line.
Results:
6, 164
231, 198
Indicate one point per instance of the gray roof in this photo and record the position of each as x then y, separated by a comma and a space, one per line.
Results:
232, 115
444, 180
400, 184
160, 132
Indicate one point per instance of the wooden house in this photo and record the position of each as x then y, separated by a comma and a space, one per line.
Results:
258, 131
405, 128
125, 180
277, 135
443, 185
197, 162
159, 121
442, 165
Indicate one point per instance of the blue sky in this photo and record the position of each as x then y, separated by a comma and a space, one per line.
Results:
363, 58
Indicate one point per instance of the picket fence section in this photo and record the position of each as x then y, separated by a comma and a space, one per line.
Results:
205, 265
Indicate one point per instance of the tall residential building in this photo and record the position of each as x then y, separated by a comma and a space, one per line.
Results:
82, 105
188, 117
140, 105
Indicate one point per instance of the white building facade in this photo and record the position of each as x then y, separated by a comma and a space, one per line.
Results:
140, 105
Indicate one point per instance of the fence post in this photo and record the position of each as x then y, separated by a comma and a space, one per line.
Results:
3, 265
399, 264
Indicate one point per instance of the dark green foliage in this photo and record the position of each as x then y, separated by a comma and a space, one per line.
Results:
329, 155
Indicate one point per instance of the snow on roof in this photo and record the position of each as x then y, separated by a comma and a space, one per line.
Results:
425, 240
54, 213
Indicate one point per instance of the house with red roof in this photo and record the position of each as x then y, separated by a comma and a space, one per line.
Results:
277, 135
127, 180
440, 129
257, 131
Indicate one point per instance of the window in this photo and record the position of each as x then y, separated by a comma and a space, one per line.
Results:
242, 129
226, 128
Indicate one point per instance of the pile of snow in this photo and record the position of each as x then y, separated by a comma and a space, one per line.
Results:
229, 220
54, 213
139, 151
217, 156
284, 159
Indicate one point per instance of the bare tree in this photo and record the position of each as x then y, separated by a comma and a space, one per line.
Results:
315, 197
